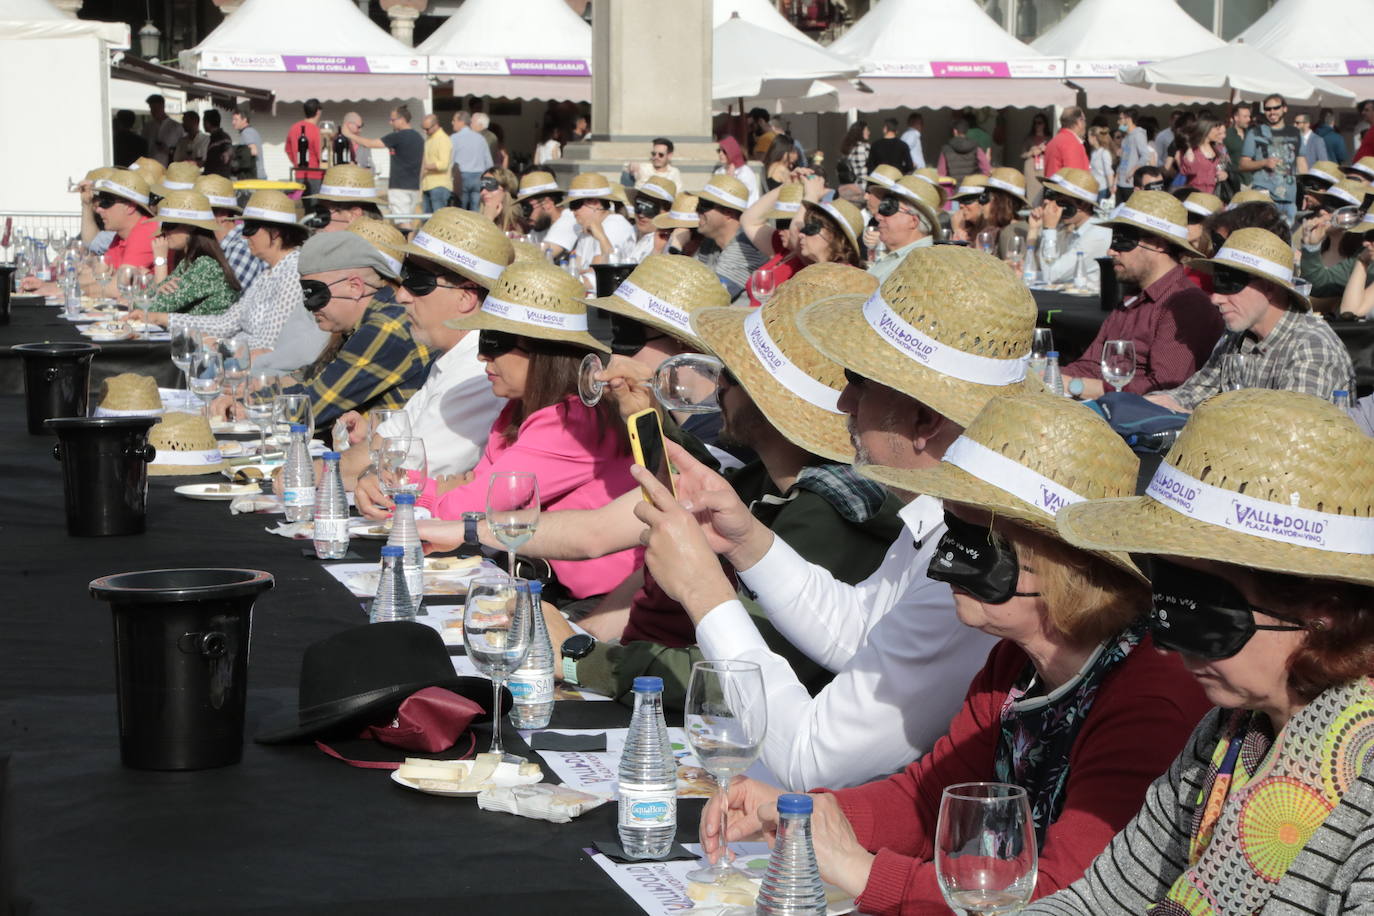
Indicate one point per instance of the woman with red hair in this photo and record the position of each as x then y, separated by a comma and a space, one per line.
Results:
732, 163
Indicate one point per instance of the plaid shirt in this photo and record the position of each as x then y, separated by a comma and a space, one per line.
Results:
379, 365
1302, 353
246, 267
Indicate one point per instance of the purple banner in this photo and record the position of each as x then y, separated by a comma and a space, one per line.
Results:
315, 63
969, 68
1363, 67
543, 67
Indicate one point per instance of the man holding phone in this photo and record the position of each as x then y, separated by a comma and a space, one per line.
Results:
1272, 154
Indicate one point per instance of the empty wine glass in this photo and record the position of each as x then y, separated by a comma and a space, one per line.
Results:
1016, 253
1233, 370
126, 278
985, 852
496, 633
397, 422
1042, 344
289, 409
259, 399
987, 241
204, 377
512, 510
688, 382
185, 342
765, 283
404, 465
1118, 363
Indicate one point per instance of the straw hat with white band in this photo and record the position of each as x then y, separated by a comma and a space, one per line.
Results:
533, 184
1262, 478
525, 251
920, 194
1249, 196
348, 184
124, 184
1257, 252
950, 327
593, 186
789, 202
974, 185
534, 299
1322, 170
384, 237
1076, 183
187, 208
1026, 456
726, 191
659, 188
795, 386
931, 176
844, 215
1348, 192
1203, 204
884, 176
100, 172
219, 191
1158, 213
465, 242
180, 176
664, 291
1011, 181
129, 395
185, 445
149, 169
1364, 168
269, 206
681, 215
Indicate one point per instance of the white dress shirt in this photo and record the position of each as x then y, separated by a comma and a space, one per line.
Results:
902, 660
453, 410
912, 139
1058, 252
644, 246
619, 233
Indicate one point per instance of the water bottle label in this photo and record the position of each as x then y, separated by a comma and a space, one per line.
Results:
298, 496
44, 274
647, 807
531, 686
331, 529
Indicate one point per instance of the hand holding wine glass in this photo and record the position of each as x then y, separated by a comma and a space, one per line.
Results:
985, 848
688, 382
496, 633
289, 409
404, 465
395, 418
1118, 363
513, 510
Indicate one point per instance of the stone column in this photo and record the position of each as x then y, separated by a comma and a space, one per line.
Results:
403, 14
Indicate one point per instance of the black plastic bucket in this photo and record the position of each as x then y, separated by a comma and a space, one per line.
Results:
1110, 289
104, 472
6, 284
610, 276
181, 663
57, 380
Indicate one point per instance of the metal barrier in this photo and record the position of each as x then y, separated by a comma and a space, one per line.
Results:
40, 225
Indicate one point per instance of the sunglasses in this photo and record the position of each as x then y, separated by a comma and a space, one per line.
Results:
1202, 616
653, 155
491, 344
1228, 281
316, 294
815, 227
704, 206
1124, 240
890, 206
1059, 200
977, 560
648, 207
628, 336
490, 184
1195, 218
106, 201
420, 282
1152, 186
586, 202
982, 198
250, 228
853, 378
1275, 107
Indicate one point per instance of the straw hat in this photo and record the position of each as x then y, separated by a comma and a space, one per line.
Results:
1024, 457
187, 208
465, 242
269, 207
219, 191
383, 236
932, 176
789, 202
726, 191
1364, 167
534, 299
681, 215
884, 176
149, 169
664, 291
1203, 204
125, 184
1348, 192
185, 445
1257, 252
795, 386
950, 327
974, 185
842, 213
1323, 170
922, 195
534, 183
1157, 212
1249, 196
659, 188
1263, 478
595, 186
348, 184
129, 395
100, 172
1011, 181
180, 176
1075, 183
526, 251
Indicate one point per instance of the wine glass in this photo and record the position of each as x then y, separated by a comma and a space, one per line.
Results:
985, 852
185, 342
1233, 370
512, 510
237, 356
987, 241
399, 422
127, 280
765, 284
1118, 363
1016, 253
496, 634
404, 465
726, 716
259, 400
688, 382
1042, 344
290, 409
204, 377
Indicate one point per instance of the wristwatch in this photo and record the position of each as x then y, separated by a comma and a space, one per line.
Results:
159, 262
1076, 389
576, 647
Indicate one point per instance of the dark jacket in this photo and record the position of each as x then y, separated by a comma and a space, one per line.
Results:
961, 157
890, 151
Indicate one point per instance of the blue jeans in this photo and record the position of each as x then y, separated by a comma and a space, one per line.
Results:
437, 198
472, 190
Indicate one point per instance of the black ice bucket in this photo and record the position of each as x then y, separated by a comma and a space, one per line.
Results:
104, 472
6, 284
181, 663
1110, 289
57, 379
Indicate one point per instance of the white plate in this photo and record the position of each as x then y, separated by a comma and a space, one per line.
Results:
449, 582
230, 448
506, 775
217, 491
367, 529
106, 337
220, 427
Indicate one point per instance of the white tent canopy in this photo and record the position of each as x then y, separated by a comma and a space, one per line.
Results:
768, 68
324, 49
40, 19
1330, 38
543, 53
1236, 68
945, 53
762, 13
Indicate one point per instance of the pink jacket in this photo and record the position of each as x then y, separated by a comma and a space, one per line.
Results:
578, 465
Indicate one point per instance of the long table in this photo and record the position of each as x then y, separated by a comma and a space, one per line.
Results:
287, 831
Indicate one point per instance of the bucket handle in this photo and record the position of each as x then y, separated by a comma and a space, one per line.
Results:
145, 452
212, 644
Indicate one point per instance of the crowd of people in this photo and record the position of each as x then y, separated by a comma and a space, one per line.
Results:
943, 568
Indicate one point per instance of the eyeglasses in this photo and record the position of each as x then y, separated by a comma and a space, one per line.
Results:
420, 282
648, 208
1201, 615
579, 204
491, 344
653, 154
704, 206
1124, 240
978, 560
1228, 281
490, 184
814, 227
1275, 107
316, 294
106, 201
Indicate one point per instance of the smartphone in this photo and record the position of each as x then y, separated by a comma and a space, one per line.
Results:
646, 441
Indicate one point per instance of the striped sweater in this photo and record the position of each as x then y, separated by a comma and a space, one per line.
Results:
1333, 874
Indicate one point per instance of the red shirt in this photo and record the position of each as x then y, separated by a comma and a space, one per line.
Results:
312, 139
137, 249
1174, 326
782, 264
1065, 150
1366, 146
1143, 715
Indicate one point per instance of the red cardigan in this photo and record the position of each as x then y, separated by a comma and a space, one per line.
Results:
1140, 721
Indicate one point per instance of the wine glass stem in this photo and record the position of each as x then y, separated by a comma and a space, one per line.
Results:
723, 787
510, 561
496, 746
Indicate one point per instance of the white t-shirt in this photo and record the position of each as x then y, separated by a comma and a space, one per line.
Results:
618, 231
453, 410
644, 246
562, 233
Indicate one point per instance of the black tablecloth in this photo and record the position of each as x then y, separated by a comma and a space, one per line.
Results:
32, 322
288, 830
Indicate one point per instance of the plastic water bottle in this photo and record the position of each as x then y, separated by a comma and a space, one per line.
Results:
1080, 272
648, 778
472, 538
1030, 271
331, 512
298, 477
405, 536
1054, 381
1341, 398
792, 884
393, 601
532, 683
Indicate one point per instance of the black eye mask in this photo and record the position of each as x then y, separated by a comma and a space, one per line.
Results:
1201, 615
978, 560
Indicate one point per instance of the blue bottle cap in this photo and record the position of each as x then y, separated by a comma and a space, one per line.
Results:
298, 427
648, 684
405, 499
393, 550
537, 587
1053, 354
1340, 393
794, 804
331, 456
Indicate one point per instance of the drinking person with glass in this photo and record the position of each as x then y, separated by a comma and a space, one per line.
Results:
202, 283
1064, 233
793, 227
1073, 704
1259, 544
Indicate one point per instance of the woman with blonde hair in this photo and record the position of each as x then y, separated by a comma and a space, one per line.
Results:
499, 187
